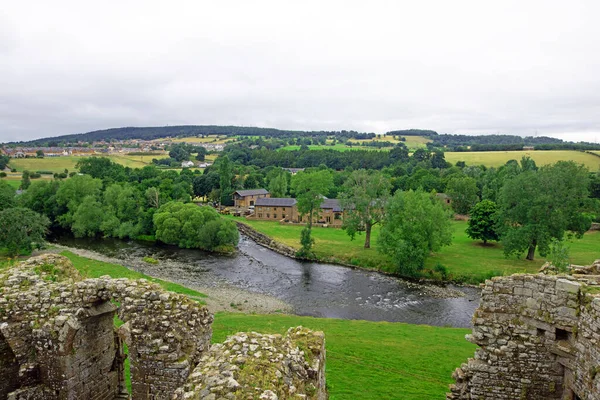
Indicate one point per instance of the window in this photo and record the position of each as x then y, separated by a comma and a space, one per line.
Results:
561, 334
259, 215
275, 216
251, 202
338, 216
274, 208
268, 215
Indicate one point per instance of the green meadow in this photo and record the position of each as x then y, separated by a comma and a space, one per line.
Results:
541, 157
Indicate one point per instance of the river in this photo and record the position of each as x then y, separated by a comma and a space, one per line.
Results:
313, 289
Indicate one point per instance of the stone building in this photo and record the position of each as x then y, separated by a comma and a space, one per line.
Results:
245, 198
58, 340
286, 210
538, 338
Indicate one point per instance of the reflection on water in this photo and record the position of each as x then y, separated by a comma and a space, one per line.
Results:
315, 289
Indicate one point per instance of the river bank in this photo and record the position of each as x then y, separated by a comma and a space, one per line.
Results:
222, 297
430, 287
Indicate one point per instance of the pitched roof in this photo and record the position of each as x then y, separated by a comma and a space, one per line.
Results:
275, 202
333, 204
251, 192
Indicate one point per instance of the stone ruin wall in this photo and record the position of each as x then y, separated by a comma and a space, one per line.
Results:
538, 338
58, 341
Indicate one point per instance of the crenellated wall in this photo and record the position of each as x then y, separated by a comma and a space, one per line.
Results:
539, 338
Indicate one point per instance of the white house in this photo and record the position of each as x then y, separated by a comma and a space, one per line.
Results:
187, 164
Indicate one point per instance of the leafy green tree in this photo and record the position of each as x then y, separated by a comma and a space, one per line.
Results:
201, 156
7, 196
21, 229
41, 198
278, 183
179, 152
539, 205
190, 226
482, 221
71, 193
88, 218
415, 225
225, 180
39, 154
463, 192
309, 189
364, 198
25, 181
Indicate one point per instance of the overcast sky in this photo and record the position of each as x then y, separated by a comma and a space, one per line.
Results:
475, 67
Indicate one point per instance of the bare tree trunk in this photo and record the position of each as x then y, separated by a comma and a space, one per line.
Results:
531, 251
368, 227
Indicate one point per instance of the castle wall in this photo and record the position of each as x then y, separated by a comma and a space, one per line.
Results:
538, 338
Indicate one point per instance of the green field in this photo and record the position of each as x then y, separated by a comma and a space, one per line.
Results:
365, 360
372, 360
412, 142
466, 259
59, 164
541, 157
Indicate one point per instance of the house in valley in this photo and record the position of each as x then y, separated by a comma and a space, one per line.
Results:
275, 209
246, 198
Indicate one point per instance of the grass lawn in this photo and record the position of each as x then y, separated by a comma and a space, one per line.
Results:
466, 259
15, 183
371, 360
95, 269
541, 157
53, 164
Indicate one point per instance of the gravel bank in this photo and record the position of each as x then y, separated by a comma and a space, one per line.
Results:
221, 296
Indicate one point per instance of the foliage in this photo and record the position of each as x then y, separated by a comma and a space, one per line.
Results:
88, 217
71, 193
364, 199
4, 160
415, 225
190, 226
306, 244
179, 152
25, 181
538, 205
278, 182
482, 221
225, 180
463, 192
7, 196
559, 255
309, 187
21, 229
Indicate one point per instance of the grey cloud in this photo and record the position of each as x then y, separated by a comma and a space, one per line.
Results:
457, 67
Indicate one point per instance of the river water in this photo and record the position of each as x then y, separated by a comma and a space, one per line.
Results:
313, 289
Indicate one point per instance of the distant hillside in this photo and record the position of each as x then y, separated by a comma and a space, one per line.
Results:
158, 132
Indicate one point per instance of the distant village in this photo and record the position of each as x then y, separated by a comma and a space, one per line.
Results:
119, 147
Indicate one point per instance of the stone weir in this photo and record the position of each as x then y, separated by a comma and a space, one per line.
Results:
538, 338
58, 340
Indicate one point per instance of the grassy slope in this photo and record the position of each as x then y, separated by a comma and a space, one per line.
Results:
365, 360
465, 257
59, 164
541, 157
372, 360
95, 269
